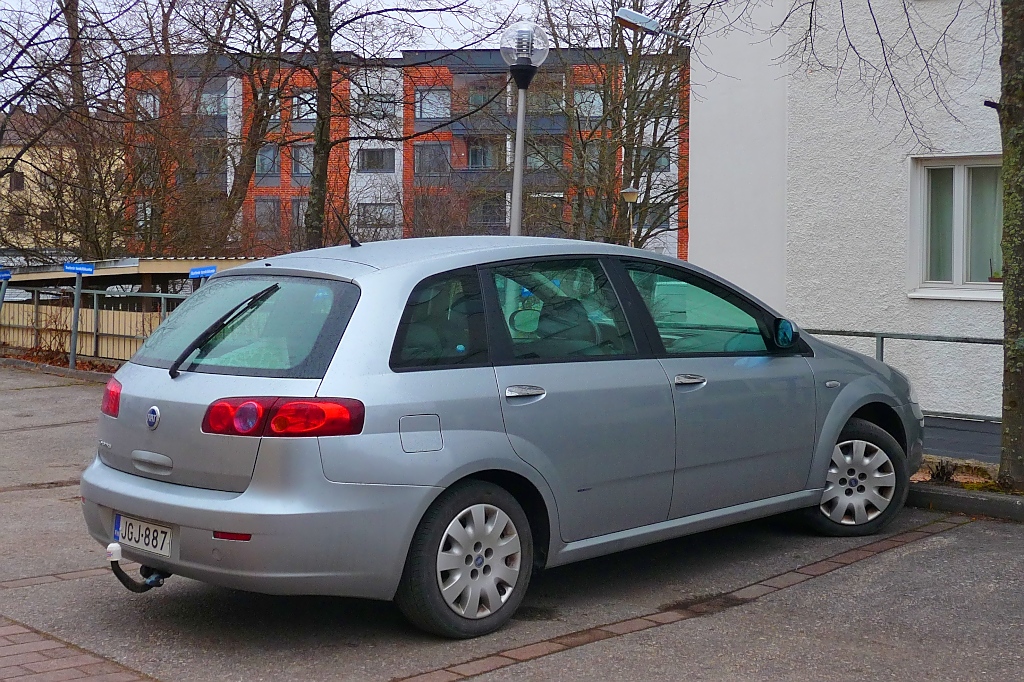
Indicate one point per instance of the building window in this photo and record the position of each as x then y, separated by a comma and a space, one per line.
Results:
303, 105
302, 160
376, 221
147, 104
376, 161
15, 222
433, 103
376, 105
658, 217
962, 209
655, 159
144, 219
268, 160
431, 159
544, 155
268, 219
487, 213
17, 181
589, 102
547, 95
213, 104
483, 153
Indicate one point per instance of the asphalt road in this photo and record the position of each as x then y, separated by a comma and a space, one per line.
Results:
943, 606
962, 438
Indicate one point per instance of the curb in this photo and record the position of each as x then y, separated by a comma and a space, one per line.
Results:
84, 375
972, 502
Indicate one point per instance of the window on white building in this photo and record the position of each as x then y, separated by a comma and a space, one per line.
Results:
961, 221
377, 221
376, 161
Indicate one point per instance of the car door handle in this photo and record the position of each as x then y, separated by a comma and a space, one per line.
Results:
689, 379
521, 391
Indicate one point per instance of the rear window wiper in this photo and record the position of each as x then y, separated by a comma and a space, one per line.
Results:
223, 321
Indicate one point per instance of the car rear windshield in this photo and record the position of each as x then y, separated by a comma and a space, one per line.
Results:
293, 332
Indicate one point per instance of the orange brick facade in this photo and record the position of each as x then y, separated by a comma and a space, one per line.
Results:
288, 190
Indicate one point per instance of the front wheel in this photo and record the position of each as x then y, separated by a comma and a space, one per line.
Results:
469, 564
866, 484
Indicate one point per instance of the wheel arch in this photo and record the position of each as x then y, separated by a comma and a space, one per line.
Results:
867, 399
529, 497
884, 417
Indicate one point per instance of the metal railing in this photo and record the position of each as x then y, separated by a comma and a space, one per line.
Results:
880, 338
111, 324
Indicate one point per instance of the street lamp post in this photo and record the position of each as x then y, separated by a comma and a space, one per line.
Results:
524, 47
643, 23
630, 195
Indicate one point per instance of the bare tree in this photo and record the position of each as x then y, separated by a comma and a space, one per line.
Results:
627, 107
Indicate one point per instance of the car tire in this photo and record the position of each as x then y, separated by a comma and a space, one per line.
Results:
861, 503
475, 540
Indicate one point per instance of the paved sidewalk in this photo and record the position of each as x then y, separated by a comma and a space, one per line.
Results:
30, 656
762, 600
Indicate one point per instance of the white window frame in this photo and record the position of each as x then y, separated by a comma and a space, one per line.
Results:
917, 284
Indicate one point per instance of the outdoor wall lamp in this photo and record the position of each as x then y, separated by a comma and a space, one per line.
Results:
524, 47
630, 195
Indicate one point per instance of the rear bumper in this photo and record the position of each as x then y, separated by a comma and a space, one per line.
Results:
309, 535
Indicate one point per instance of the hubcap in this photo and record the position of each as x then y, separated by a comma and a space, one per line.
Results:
860, 484
478, 561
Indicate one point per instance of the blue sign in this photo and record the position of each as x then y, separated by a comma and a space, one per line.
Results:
198, 273
5, 275
80, 268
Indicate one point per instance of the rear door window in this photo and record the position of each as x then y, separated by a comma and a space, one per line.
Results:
442, 324
292, 333
561, 310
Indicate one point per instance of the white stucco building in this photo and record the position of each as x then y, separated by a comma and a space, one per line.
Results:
809, 189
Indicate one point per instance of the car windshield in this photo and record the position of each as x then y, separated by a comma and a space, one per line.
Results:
293, 333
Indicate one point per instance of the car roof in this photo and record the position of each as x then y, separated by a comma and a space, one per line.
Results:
428, 255
383, 255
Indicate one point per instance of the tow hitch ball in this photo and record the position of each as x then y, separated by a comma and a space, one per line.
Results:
151, 577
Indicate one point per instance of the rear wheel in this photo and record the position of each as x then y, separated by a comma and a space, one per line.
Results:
469, 564
866, 484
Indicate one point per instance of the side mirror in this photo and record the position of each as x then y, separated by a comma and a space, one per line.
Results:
525, 321
785, 335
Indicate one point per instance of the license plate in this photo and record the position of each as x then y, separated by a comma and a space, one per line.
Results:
149, 537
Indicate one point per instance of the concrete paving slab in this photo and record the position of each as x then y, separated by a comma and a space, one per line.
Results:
43, 532
190, 631
42, 455
47, 406
948, 607
15, 379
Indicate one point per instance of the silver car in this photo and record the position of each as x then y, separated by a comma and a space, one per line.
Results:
432, 420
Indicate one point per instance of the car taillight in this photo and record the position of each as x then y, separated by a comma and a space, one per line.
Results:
284, 417
319, 417
238, 416
111, 404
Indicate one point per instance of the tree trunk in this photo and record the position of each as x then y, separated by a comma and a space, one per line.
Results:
316, 212
79, 129
1011, 122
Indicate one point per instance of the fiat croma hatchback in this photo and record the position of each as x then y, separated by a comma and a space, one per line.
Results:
431, 420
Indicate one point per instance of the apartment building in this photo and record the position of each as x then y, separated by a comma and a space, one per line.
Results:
423, 146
